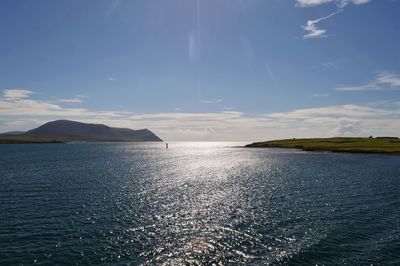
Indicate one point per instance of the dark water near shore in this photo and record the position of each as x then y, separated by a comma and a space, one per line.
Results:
196, 204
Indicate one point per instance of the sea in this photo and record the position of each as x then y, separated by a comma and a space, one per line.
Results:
196, 203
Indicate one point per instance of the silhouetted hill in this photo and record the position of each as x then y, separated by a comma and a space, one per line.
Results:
65, 130
12, 133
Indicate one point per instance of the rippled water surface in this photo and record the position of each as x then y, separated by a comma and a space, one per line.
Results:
196, 204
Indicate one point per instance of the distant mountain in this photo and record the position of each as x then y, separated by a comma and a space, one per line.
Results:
12, 133
65, 130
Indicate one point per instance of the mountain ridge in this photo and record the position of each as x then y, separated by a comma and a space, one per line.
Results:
67, 130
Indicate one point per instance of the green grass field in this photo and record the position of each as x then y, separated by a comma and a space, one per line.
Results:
353, 145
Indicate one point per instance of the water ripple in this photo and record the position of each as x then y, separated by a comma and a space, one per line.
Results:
196, 204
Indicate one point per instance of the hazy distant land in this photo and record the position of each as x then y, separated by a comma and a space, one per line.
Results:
60, 131
21, 139
386, 145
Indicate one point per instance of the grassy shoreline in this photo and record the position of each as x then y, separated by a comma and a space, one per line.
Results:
384, 145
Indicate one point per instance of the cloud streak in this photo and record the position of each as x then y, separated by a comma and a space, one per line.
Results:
212, 101
71, 100
383, 81
313, 31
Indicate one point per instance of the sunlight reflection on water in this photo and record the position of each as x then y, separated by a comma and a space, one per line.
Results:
195, 204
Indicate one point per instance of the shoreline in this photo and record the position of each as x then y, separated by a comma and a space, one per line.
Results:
386, 146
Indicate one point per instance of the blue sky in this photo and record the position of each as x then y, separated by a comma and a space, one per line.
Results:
204, 69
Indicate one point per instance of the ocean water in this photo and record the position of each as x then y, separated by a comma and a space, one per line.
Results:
196, 204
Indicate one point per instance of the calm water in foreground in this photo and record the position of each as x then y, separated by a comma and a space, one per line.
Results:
196, 204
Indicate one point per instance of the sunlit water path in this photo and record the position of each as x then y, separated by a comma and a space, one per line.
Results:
196, 204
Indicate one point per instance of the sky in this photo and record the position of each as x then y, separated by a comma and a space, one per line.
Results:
204, 70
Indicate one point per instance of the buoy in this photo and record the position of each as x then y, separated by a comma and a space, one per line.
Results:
166, 145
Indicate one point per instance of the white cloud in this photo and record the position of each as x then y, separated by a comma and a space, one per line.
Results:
348, 127
341, 120
309, 3
334, 112
338, 120
311, 25
344, 3
367, 87
16, 93
17, 103
388, 79
71, 100
339, 3
313, 31
382, 81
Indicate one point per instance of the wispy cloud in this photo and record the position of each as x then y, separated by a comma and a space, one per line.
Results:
338, 120
110, 78
343, 3
342, 120
348, 111
309, 3
212, 101
16, 93
313, 30
366, 87
339, 3
389, 79
330, 65
71, 100
384, 80
18, 103
311, 25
